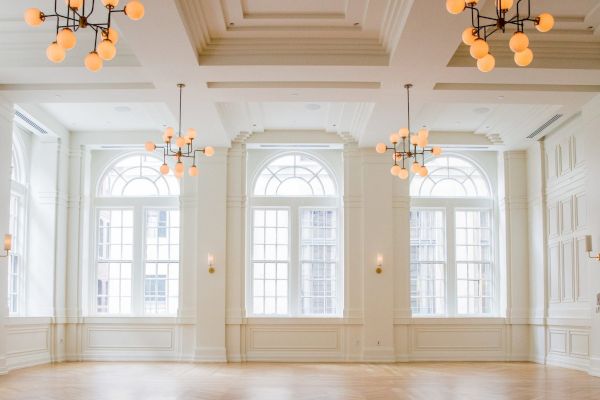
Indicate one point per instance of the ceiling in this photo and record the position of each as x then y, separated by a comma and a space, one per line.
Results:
335, 66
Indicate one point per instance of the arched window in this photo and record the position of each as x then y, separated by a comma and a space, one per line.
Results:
295, 238
136, 239
17, 227
452, 240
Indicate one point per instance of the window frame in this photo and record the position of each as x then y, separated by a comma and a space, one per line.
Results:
294, 205
139, 206
451, 205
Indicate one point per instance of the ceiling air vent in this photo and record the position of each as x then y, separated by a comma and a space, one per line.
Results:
544, 126
26, 122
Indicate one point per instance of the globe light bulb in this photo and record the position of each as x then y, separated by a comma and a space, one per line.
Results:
469, 35
415, 167
107, 50
487, 63
164, 169
66, 38
56, 53
518, 42
209, 151
187, 139
437, 151
179, 167
193, 171
34, 17
179, 175
169, 132
381, 148
404, 133
455, 6
395, 170
394, 138
191, 133
414, 139
180, 141
505, 5
421, 142
423, 133
134, 10
111, 34
479, 48
76, 4
544, 22
423, 171
403, 174
150, 146
524, 58
93, 62
110, 3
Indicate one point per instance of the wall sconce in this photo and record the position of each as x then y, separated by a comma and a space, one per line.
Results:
588, 248
211, 264
379, 268
7, 245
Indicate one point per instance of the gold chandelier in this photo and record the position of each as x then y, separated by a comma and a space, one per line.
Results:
77, 16
483, 27
183, 148
409, 149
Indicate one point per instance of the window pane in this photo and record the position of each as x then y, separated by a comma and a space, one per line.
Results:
270, 257
161, 274
474, 262
428, 261
113, 288
318, 242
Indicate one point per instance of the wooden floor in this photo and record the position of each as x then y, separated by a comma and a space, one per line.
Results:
427, 381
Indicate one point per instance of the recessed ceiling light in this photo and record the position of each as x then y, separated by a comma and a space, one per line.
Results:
481, 110
122, 109
313, 106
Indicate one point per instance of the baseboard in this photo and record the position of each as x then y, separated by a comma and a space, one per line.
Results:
133, 357
594, 367
294, 356
25, 361
210, 354
379, 354
580, 364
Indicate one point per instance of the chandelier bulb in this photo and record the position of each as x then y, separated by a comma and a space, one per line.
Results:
66, 38
164, 169
134, 10
455, 6
56, 53
487, 63
395, 170
469, 35
178, 175
381, 148
544, 22
93, 62
111, 34
34, 17
74, 4
404, 133
110, 3
414, 140
193, 171
423, 171
394, 138
505, 5
107, 50
403, 174
191, 133
169, 132
150, 146
415, 167
179, 167
479, 49
423, 133
209, 151
524, 58
180, 141
437, 151
518, 42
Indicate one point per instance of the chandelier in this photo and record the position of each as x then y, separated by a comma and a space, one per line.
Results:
183, 147
409, 149
78, 16
483, 27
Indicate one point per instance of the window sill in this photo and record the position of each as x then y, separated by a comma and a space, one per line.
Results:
15, 320
141, 320
474, 320
286, 320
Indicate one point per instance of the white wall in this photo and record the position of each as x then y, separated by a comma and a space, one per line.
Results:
543, 197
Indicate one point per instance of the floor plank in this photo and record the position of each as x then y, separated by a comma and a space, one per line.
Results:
270, 381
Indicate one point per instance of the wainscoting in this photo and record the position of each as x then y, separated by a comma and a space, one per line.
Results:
28, 342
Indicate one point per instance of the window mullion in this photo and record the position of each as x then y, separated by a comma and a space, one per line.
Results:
294, 240
137, 262
451, 261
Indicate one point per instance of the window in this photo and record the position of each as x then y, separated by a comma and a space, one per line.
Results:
137, 239
451, 241
294, 266
17, 228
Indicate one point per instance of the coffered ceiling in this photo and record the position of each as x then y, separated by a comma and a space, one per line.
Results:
334, 66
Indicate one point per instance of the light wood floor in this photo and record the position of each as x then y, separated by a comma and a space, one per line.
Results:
427, 381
